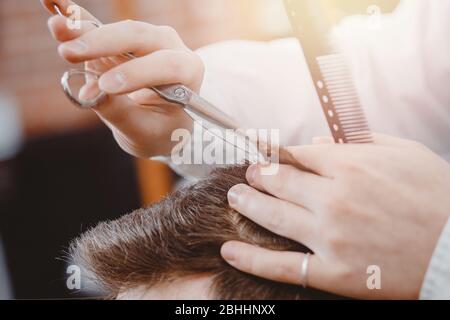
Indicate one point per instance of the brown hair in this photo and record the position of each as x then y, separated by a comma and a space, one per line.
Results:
182, 236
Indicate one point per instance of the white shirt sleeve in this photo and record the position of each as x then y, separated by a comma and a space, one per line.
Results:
401, 71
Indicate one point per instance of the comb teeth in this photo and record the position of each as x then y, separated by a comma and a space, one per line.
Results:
341, 103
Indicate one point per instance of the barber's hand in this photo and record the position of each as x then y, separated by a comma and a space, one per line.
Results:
384, 204
140, 120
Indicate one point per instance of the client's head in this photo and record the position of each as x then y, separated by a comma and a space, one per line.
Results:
171, 250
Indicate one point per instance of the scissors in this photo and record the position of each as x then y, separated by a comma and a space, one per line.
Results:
194, 105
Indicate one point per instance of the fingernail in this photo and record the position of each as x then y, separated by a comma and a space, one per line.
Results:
251, 174
77, 46
234, 196
228, 252
112, 82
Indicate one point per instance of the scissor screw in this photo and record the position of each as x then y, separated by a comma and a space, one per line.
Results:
180, 93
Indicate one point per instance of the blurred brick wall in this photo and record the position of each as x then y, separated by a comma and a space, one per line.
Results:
30, 68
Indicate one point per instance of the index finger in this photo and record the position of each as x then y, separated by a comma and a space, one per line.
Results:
64, 6
279, 266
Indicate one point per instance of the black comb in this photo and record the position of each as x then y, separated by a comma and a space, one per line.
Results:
331, 76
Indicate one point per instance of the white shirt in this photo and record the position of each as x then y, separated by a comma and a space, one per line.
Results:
401, 71
402, 74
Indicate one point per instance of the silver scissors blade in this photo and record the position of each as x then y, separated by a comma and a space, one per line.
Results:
190, 100
204, 110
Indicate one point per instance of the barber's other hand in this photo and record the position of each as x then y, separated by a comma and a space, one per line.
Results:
368, 205
141, 121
